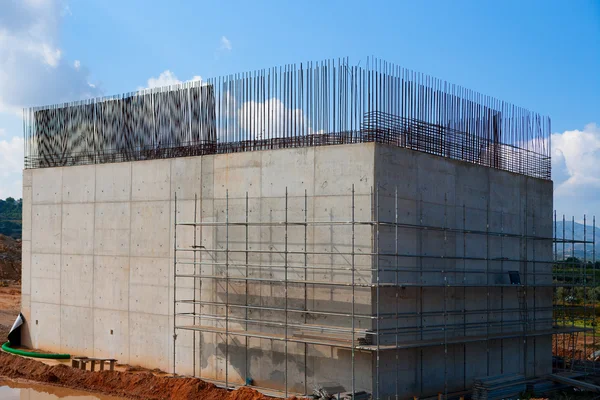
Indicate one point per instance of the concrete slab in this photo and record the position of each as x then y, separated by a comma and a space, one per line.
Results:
186, 177
113, 182
349, 165
298, 176
26, 222
45, 290
111, 282
151, 180
150, 271
149, 299
77, 229
150, 229
47, 186
46, 237
131, 279
151, 344
237, 174
27, 177
26, 267
45, 266
45, 326
111, 334
79, 184
77, 330
112, 232
77, 280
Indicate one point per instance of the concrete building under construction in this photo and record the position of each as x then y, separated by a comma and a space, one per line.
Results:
322, 225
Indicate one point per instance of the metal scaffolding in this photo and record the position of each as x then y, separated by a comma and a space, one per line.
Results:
233, 254
575, 295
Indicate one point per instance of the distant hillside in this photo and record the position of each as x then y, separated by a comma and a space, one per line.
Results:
11, 215
10, 258
577, 231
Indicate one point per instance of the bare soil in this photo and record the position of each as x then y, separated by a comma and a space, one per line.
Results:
10, 258
10, 306
584, 347
132, 383
143, 385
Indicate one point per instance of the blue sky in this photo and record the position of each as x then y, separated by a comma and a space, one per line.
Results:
542, 55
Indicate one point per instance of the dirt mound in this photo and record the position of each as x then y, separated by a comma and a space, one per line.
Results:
10, 258
143, 385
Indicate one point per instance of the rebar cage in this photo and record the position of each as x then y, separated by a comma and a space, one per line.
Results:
310, 104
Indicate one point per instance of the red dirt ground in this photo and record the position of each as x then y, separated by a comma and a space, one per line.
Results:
145, 385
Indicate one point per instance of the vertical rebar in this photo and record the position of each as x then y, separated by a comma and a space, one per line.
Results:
291, 107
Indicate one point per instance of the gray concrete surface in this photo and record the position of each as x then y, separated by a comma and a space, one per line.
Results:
98, 264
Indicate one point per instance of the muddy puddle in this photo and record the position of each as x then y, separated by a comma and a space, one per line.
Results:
17, 390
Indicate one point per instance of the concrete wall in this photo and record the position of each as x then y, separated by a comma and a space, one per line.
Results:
98, 264
422, 190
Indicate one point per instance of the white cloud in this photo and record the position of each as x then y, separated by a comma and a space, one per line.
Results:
225, 44
576, 171
270, 119
11, 165
33, 70
167, 78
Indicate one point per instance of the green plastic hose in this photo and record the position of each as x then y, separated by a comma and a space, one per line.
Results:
6, 347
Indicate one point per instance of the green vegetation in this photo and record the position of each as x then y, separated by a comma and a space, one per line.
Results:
577, 305
11, 214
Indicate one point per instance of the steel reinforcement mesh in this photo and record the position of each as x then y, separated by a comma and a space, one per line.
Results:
313, 104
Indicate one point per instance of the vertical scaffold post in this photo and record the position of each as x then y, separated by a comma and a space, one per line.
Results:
446, 284
305, 288
195, 333
246, 339
378, 285
585, 294
174, 284
227, 288
464, 290
353, 293
594, 286
286, 292
573, 335
397, 292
